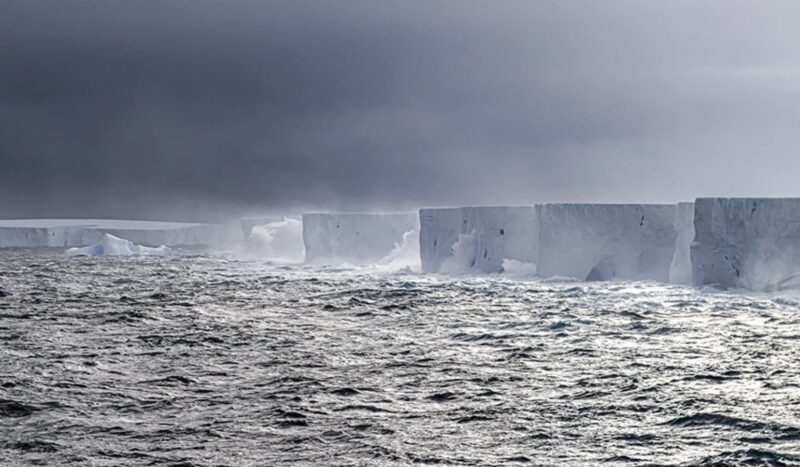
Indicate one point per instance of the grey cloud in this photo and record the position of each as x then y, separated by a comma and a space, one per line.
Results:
191, 109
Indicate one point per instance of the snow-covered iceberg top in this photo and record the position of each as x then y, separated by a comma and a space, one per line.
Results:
115, 246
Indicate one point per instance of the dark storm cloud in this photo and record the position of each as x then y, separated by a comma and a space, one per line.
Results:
179, 109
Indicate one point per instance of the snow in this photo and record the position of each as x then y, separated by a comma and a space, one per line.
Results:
606, 241
477, 239
680, 270
115, 246
279, 240
753, 243
354, 238
74, 232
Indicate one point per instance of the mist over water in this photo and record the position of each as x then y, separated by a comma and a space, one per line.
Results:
280, 241
213, 359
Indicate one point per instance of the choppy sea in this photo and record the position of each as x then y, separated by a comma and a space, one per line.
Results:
212, 359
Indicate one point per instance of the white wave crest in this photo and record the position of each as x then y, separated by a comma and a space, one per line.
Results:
280, 241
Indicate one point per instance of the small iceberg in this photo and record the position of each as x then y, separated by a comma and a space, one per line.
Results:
115, 246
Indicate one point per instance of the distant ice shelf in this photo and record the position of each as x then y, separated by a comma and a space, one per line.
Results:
354, 238
115, 246
76, 232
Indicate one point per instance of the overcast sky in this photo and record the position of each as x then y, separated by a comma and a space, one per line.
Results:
185, 109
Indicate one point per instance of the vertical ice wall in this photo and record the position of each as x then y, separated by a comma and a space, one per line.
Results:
477, 238
77, 232
439, 231
680, 270
355, 238
746, 242
36, 235
606, 241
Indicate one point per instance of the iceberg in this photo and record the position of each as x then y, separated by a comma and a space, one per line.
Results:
115, 246
606, 241
478, 238
75, 232
752, 243
354, 238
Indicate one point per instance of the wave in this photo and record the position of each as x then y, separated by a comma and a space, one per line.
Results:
404, 256
280, 241
463, 258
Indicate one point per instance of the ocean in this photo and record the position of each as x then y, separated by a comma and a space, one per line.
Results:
220, 359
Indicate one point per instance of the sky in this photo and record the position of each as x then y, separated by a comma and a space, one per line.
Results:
196, 110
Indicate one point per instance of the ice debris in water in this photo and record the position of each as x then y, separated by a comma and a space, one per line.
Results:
115, 246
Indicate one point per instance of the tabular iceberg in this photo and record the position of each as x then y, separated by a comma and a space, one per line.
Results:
752, 243
115, 246
477, 238
74, 232
606, 241
354, 238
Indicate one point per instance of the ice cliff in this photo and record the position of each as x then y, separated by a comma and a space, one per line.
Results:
354, 238
680, 270
74, 232
477, 238
747, 242
606, 241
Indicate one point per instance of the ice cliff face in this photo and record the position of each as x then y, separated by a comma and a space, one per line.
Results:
74, 232
477, 238
14, 234
354, 238
680, 270
606, 241
747, 242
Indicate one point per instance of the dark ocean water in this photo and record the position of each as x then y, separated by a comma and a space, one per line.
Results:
210, 360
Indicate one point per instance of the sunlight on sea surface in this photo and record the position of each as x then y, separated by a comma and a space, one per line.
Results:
207, 359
